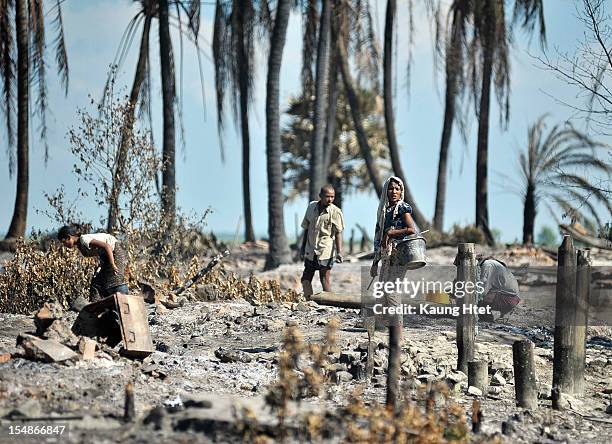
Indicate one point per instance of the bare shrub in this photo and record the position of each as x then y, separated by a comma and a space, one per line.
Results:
33, 277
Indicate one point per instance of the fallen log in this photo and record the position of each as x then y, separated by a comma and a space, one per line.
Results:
357, 301
585, 238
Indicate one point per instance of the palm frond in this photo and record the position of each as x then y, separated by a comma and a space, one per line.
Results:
7, 68
36, 22
61, 54
587, 187
529, 13
310, 19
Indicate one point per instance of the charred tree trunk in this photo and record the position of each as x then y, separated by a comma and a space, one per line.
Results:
317, 173
244, 67
332, 99
168, 96
452, 69
20, 213
128, 126
482, 152
279, 248
362, 138
396, 163
529, 215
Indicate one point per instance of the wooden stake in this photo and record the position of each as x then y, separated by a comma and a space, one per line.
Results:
478, 375
583, 294
352, 241
476, 416
565, 353
394, 361
129, 411
466, 273
524, 374
370, 322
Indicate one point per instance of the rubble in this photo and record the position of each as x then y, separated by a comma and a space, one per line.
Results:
46, 350
474, 391
87, 348
227, 355
207, 350
498, 379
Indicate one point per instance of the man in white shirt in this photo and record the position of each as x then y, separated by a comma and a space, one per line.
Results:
322, 239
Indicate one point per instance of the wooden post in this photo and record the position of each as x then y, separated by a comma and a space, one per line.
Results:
129, 411
524, 374
351, 241
466, 274
476, 416
565, 356
394, 361
583, 294
478, 375
370, 322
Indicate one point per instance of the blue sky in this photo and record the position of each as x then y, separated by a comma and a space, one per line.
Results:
93, 30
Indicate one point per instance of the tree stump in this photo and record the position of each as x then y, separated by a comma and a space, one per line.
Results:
478, 375
524, 374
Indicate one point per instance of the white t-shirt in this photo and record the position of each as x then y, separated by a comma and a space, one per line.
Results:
102, 237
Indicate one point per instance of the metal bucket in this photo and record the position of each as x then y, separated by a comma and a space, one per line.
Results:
411, 252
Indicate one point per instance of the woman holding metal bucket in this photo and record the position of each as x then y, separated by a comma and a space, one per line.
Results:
394, 224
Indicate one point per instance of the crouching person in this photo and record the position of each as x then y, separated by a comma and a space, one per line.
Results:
500, 288
110, 275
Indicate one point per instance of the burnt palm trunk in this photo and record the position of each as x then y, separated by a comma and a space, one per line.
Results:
243, 63
390, 115
168, 95
452, 69
362, 139
332, 99
482, 152
128, 126
279, 248
317, 172
20, 213
529, 215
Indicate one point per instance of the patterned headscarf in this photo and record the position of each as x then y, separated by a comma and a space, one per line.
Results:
382, 206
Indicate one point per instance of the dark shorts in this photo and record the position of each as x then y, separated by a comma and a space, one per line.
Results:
316, 265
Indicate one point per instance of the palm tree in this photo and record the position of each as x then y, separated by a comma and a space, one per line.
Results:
347, 171
29, 29
558, 168
492, 38
187, 14
279, 249
319, 121
168, 97
234, 54
148, 12
347, 32
455, 83
353, 100
389, 113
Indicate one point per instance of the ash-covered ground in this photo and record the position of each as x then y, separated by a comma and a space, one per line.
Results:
211, 356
